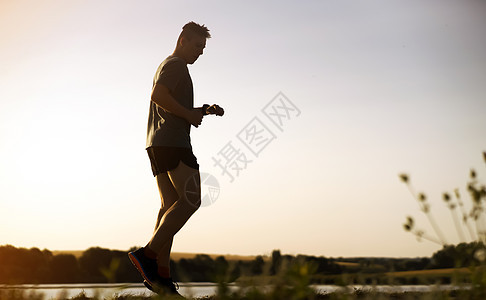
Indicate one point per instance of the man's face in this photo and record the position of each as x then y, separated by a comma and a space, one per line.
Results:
193, 48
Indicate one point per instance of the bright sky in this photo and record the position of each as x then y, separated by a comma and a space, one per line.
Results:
383, 87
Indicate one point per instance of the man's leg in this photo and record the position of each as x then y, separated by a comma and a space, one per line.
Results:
189, 200
168, 196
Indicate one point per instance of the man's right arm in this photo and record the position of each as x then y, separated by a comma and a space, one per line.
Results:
162, 97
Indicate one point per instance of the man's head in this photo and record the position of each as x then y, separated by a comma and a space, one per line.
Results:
191, 42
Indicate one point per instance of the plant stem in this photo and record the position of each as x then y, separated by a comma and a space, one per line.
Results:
436, 228
421, 235
429, 216
460, 233
465, 217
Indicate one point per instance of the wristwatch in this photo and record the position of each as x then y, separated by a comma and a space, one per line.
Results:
204, 109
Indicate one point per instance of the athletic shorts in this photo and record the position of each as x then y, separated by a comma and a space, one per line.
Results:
163, 159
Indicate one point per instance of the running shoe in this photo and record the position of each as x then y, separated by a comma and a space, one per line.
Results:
146, 267
164, 286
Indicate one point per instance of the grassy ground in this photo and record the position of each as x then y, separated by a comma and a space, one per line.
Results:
294, 284
351, 295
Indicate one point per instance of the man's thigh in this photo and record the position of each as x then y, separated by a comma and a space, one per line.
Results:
187, 182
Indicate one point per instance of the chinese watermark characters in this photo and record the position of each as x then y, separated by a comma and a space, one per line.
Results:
255, 136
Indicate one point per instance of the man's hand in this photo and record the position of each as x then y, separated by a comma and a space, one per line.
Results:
194, 117
215, 110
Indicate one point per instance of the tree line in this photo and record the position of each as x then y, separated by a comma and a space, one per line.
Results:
99, 265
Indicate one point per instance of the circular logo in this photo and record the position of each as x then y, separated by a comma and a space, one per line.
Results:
208, 185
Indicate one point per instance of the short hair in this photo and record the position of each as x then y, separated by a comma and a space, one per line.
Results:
191, 29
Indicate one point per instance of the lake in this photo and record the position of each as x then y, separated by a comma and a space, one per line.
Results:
187, 289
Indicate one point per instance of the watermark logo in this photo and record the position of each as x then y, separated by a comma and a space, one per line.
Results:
255, 136
280, 110
232, 158
201, 188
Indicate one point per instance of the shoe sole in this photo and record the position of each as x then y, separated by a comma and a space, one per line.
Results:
138, 266
162, 291
147, 285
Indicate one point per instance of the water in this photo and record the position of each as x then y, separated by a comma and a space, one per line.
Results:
187, 289
55, 291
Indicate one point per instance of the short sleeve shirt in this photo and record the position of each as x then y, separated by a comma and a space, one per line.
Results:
165, 128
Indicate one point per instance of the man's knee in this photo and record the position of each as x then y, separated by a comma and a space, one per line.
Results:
194, 200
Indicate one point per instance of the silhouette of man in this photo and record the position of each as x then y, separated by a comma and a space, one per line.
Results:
169, 149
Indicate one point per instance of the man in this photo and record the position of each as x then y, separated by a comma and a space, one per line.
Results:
170, 152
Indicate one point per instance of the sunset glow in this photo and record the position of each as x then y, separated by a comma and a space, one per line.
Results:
382, 88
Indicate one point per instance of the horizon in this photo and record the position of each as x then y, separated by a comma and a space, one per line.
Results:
178, 254
372, 90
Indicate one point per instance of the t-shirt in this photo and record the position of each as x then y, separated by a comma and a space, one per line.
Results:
165, 128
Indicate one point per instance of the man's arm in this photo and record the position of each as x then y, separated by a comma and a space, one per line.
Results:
162, 97
211, 110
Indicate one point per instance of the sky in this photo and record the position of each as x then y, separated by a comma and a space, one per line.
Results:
344, 95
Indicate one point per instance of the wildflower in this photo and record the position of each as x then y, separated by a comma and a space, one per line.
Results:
422, 197
446, 197
409, 225
404, 177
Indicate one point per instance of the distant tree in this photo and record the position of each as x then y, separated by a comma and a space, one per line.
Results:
200, 268
64, 268
417, 264
125, 271
462, 255
221, 267
203, 267
323, 265
92, 261
256, 266
21, 265
180, 269
39, 262
235, 270
276, 262
13, 264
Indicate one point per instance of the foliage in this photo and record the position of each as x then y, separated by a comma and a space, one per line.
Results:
98, 265
466, 255
461, 255
25, 266
472, 223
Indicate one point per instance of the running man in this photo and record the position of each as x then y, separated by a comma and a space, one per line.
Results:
170, 152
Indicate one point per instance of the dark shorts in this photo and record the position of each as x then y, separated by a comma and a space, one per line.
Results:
163, 159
